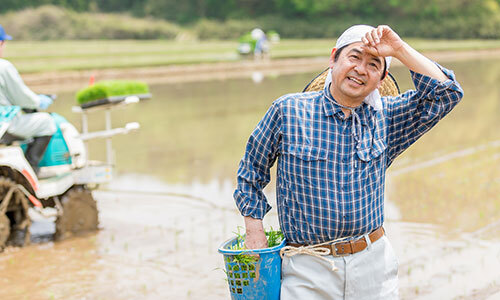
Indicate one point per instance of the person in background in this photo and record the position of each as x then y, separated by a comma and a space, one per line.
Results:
262, 44
333, 148
37, 125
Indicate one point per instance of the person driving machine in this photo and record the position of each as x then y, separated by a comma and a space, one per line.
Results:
39, 126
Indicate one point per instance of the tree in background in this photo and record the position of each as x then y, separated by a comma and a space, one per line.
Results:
192, 10
305, 18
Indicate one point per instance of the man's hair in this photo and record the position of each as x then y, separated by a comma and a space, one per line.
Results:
336, 57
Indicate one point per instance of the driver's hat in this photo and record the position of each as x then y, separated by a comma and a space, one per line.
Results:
4, 36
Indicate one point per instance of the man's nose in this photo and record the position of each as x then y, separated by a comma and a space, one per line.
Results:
360, 68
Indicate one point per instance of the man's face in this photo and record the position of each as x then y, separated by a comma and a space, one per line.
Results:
355, 74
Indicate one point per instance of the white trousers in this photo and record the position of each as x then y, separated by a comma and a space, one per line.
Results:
32, 125
369, 274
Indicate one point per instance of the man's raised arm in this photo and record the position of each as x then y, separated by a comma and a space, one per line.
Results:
383, 41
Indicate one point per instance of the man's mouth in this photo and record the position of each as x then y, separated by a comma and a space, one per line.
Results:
356, 80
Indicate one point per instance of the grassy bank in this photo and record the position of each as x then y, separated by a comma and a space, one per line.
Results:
43, 56
55, 23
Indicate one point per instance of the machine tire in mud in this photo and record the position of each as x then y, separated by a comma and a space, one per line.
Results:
79, 214
14, 219
4, 230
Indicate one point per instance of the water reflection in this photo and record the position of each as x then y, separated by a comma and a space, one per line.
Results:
196, 132
452, 176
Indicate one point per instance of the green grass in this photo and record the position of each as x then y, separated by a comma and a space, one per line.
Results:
43, 56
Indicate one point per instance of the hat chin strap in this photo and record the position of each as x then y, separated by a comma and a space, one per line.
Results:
373, 99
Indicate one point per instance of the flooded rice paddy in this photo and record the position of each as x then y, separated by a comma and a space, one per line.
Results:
170, 205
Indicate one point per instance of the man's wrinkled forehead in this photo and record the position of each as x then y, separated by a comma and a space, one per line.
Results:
361, 49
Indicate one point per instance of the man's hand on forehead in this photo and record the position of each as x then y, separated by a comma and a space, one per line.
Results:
369, 50
382, 41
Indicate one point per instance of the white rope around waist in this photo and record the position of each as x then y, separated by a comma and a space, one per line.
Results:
312, 250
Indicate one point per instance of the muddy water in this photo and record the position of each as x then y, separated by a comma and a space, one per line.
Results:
170, 206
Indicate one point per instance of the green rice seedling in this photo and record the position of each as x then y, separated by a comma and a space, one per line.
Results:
274, 238
244, 258
240, 245
111, 88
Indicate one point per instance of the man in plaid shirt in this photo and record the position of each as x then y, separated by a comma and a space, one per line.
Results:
333, 148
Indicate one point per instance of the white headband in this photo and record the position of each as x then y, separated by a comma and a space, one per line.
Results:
354, 34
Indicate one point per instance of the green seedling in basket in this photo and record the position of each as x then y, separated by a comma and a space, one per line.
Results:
240, 245
274, 238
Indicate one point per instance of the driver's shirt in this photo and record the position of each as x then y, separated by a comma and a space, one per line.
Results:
13, 91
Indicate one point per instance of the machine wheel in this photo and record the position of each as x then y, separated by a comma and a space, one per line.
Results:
14, 220
4, 230
79, 213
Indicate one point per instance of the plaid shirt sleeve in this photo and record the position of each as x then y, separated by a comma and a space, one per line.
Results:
254, 169
415, 112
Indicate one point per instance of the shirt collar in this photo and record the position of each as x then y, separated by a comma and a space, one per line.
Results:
328, 104
331, 109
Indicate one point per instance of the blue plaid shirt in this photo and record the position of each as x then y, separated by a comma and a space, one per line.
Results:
330, 181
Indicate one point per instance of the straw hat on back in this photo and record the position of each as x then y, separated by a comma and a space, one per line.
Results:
389, 86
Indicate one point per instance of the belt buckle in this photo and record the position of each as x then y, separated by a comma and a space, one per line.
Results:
333, 250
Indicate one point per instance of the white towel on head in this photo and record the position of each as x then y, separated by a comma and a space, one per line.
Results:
355, 34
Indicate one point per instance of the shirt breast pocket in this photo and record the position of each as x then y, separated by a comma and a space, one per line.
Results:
305, 165
371, 158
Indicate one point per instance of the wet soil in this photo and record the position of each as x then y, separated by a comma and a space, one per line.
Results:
71, 80
166, 249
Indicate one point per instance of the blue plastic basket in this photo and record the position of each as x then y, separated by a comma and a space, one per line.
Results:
257, 280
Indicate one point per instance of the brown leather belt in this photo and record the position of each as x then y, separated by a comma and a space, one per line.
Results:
349, 247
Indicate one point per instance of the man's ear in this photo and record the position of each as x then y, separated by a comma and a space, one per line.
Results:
382, 79
332, 58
